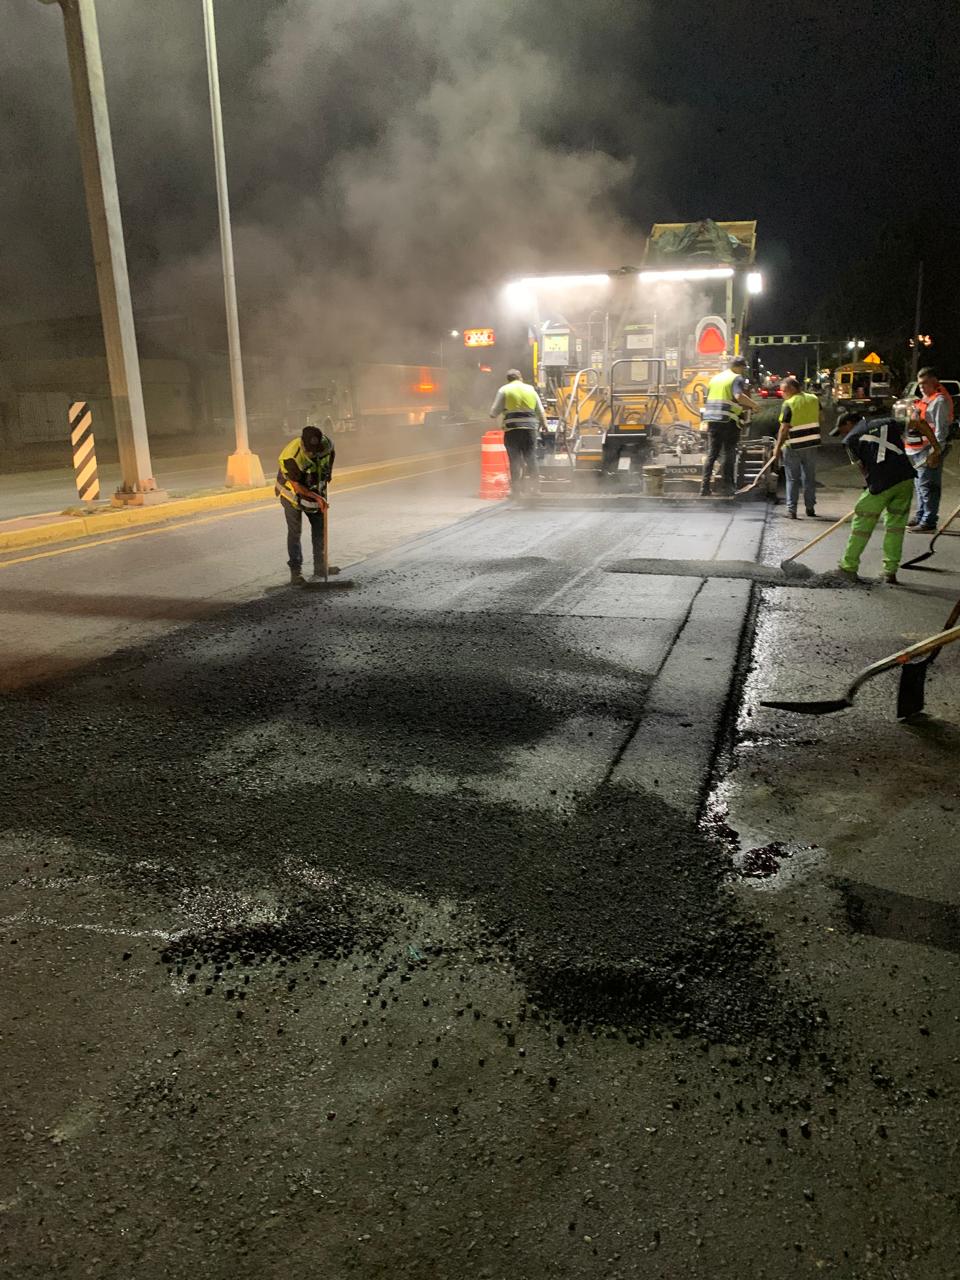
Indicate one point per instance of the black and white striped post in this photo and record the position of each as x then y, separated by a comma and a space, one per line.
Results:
84, 454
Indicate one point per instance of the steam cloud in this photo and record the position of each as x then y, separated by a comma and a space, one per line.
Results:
388, 159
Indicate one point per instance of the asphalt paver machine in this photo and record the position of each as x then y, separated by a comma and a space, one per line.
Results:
623, 358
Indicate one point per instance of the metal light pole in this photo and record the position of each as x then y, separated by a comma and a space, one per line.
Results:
137, 485
243, 467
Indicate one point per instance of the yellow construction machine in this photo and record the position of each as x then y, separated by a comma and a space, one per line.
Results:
623, 358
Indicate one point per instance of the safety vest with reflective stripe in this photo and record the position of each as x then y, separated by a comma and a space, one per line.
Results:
315, 471
720, 405
519, 405
804, 420
913, 440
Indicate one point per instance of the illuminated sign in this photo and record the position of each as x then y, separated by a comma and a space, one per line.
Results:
479, 338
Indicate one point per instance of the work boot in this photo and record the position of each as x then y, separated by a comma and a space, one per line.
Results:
891, 579
296, 577
844, 575
791, 513
811, 512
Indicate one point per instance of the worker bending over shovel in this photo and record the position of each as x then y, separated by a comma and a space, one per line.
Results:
306, 468
876, 445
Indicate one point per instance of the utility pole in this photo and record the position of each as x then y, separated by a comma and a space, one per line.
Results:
137, 484
915, 354
243, 467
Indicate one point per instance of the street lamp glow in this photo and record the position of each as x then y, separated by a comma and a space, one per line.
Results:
454, 333
754, 282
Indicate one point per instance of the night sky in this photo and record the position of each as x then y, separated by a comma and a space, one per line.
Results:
388, 159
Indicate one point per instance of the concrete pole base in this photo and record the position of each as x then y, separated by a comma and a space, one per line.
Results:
244, 469
148, 498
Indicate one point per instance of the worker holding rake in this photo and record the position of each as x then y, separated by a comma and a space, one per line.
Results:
877, 446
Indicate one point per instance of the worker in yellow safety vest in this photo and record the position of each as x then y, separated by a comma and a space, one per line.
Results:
522, 412
798, 444
305, 470
721, 414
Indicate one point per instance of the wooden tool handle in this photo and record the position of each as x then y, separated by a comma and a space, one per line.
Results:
946, 524
930, 645
819, 538
927, 646
954, 617
758, 477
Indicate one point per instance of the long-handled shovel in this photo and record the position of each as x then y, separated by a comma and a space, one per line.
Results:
912, 564
749, 488
932, 645
913, 675
813, 541
340, 582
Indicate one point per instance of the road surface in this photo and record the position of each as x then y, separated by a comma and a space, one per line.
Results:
386, 931
61, 606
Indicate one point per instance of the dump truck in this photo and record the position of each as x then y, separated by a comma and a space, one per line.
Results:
368, 397
623, 358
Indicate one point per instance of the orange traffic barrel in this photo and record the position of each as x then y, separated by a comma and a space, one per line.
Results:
494, 466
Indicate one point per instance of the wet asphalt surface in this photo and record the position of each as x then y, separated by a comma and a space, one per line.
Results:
358, 933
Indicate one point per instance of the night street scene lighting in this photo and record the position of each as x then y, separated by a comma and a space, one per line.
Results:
491, 812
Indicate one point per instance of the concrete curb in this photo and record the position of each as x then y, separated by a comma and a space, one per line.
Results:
36, 531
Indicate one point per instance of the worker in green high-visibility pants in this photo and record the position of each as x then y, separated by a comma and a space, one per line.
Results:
877, 446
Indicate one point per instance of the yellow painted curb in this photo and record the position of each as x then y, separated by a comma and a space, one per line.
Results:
68, 528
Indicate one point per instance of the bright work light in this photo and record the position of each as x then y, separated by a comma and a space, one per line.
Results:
694, 273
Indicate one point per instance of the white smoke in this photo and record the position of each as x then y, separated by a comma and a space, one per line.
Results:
386, 158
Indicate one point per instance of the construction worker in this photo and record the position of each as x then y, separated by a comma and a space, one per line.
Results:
305, 470
935, 408
877, 445
726, 400
522, 412
798, 445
